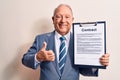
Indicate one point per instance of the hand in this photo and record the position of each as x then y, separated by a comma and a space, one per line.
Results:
104, 60
44, 55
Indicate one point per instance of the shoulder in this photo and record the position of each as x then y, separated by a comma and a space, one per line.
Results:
45, 35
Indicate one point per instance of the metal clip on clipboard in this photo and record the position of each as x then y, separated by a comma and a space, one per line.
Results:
85, 24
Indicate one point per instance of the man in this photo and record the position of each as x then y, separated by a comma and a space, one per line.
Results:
46, 50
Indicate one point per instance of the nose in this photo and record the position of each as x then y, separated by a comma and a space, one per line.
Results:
63, 19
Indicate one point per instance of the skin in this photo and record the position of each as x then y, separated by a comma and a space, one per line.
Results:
62, 20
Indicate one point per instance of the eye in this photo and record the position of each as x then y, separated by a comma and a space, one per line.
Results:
57, 16
67, 17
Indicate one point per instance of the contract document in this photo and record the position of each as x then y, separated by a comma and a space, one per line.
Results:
89, 43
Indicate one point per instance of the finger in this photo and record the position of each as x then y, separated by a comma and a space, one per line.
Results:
51, 58
106, 55
44, 46
104, 58
105, 64
50, 52
40, 56
104, 61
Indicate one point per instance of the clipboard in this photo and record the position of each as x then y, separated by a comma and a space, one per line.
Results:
89, 43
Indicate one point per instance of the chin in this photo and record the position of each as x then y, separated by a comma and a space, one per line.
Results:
63, 33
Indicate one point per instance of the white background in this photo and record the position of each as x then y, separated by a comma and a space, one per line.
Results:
22, 20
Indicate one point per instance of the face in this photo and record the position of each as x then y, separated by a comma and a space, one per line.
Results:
62, 20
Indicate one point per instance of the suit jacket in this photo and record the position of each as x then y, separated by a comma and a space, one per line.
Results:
50, 70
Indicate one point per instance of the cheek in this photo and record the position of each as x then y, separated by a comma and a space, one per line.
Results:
56, 22
70, 22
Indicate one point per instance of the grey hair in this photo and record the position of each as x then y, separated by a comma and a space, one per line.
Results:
60, 6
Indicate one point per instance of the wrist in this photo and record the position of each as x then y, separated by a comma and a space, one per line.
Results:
38, 57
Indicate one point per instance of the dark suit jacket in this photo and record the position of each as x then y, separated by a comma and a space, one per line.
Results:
50, 70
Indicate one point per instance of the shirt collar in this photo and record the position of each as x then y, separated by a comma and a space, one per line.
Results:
67, 36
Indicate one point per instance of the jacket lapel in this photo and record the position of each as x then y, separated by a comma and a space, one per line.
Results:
51, 46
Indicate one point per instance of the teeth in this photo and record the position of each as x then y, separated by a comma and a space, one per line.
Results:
62, 25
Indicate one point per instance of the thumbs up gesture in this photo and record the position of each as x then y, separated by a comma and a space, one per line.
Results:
45, 55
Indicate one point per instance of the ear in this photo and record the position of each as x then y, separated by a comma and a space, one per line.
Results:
72, 18
53, 18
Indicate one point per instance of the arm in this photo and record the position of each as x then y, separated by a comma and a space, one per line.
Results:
89, 71
36, 54
29, 57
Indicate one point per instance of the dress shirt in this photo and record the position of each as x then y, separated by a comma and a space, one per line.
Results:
58, 42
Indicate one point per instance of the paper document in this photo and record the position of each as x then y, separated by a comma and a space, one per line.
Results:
89, 44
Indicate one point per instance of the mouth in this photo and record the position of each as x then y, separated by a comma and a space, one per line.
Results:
62, 25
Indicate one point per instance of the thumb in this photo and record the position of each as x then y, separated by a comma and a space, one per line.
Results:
44, 46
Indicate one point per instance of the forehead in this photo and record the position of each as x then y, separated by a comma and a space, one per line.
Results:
63, 10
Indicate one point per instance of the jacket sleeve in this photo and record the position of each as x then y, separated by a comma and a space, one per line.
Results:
29, 57
88, 71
